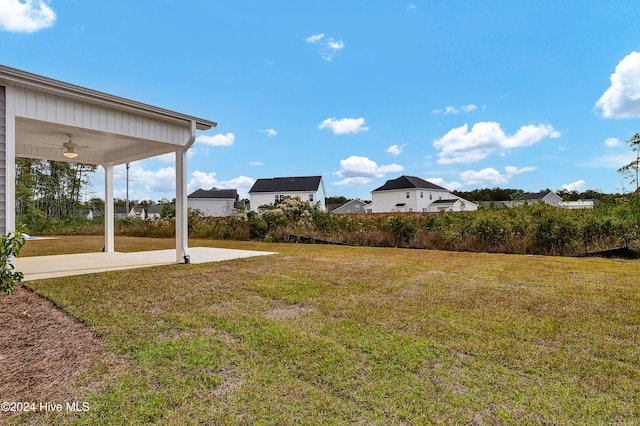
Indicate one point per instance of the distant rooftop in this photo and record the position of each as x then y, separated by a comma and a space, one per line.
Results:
214, 193
408, 182
287, 184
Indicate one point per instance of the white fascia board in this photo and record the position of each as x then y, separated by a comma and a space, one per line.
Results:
15, 77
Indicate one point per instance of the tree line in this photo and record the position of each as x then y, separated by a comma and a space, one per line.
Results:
49, 189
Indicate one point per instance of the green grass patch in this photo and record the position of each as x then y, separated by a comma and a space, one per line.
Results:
339, 335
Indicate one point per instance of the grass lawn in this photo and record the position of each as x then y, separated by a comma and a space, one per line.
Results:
337, 335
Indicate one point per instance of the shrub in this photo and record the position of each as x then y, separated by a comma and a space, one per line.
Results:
10, 246
402, 227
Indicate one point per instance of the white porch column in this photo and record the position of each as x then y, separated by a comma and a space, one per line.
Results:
108, 209
182, 226
182, 230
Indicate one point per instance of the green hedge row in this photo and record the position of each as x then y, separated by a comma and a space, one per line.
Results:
528, 229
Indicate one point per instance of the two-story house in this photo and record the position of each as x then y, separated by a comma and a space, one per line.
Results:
273, 190
412, 194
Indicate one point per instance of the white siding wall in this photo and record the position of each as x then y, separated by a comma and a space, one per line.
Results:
261, 198
385, 201
54, 109
3, 174
211, 206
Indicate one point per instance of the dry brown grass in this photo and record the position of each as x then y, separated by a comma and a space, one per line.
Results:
335, 335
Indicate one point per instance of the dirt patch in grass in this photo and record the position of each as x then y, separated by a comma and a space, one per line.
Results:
282, 313
42, 349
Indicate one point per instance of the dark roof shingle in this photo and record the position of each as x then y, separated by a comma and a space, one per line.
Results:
214, 193
408, 182
287, 184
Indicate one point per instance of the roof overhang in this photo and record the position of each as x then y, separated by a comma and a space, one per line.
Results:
107, 129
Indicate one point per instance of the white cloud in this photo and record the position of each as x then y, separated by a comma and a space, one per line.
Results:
462, 146
314, 38
449, 109
217, 140
242, 183
622, 98
201, 180
162, 180
344, 125
395, 150
269, 132
612, 142
26, 16
335, 44
357, 169
353, 181
328, 47
492, 177
256, 163
574, 186
208, 180
484, 177
451, 186
411, 7
511, 170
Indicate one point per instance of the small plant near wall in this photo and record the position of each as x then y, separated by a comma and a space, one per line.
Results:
10, 246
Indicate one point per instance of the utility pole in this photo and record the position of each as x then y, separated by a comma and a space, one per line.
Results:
127, 203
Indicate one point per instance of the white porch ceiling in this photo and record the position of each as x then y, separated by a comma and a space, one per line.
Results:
107, 129
43, 140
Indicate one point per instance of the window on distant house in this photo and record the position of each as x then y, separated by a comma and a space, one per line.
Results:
422, 195
311, 197
357, 207
279, 197
407, 194
430, 196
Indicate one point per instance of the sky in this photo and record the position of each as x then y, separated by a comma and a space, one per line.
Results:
465, 94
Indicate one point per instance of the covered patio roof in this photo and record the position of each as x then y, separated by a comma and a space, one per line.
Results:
108, 129
38, 115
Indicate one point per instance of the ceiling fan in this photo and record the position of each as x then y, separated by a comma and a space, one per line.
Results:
70, 148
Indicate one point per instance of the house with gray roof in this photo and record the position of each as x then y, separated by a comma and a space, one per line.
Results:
546, 196
413, 194
273, 190
154, 211
213, 202
353, 206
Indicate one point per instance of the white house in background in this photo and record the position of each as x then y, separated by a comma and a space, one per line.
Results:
213, 202
353, 206
579, 204
273, 190
412, 194
154, 211
138, 212
121, 212
547, 196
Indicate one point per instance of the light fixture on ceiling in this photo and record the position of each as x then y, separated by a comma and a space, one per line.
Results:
70, 149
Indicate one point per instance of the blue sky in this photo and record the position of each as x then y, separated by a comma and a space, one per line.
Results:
466, 94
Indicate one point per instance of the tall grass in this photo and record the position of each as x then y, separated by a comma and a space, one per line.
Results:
528, 229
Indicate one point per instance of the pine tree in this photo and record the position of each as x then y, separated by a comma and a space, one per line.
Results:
630, 171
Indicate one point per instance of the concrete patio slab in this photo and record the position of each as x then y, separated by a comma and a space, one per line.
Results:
64, 265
